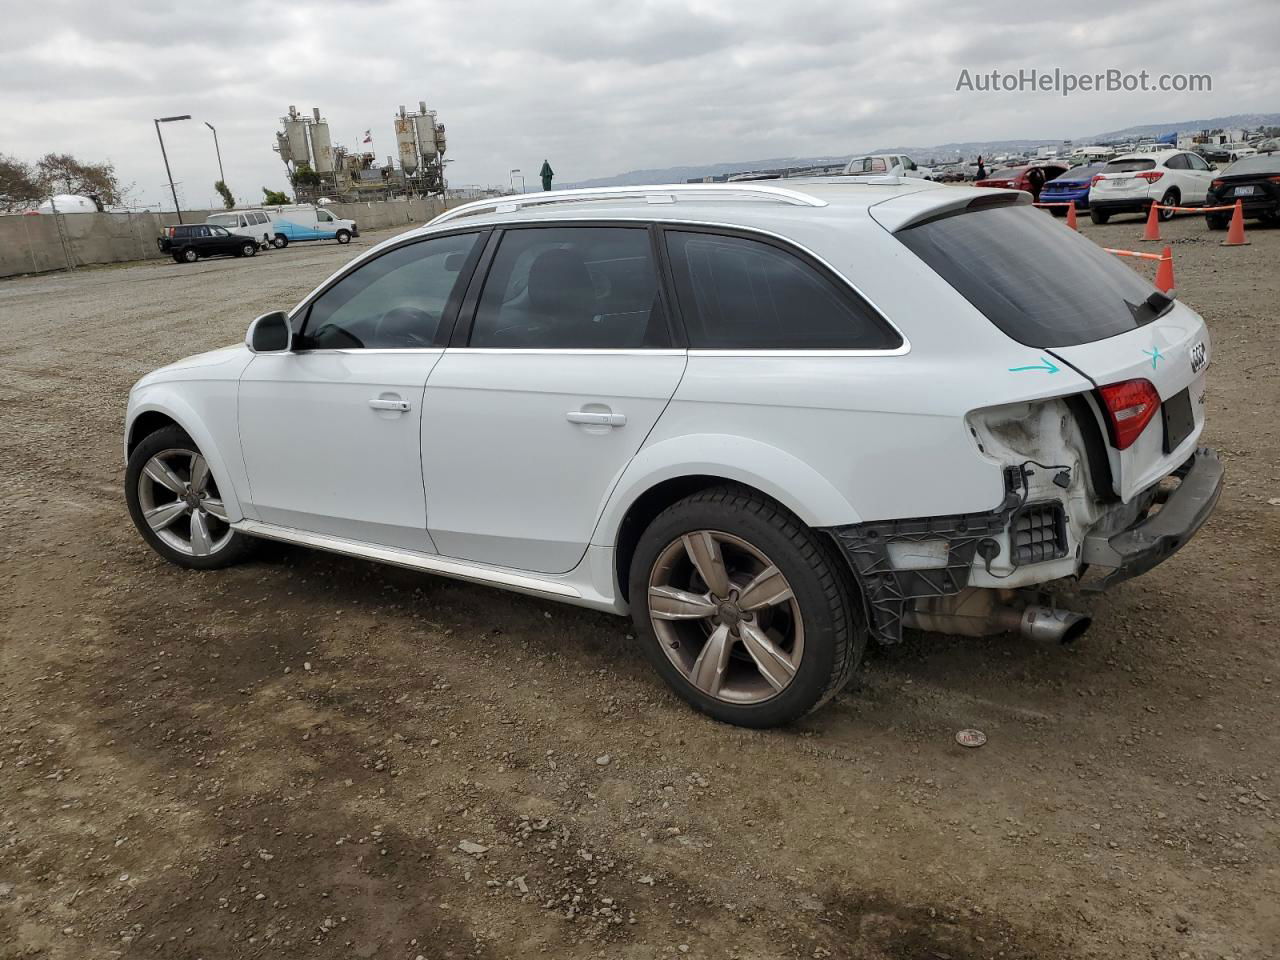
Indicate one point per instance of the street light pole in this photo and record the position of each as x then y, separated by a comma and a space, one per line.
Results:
221, 175
172, 189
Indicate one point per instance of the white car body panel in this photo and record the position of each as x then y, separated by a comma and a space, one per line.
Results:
510, 478
320, 458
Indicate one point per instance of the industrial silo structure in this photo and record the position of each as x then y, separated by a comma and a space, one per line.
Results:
321, 145
407, 143
295, 128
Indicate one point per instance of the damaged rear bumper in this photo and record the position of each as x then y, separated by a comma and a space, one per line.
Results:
1153, 539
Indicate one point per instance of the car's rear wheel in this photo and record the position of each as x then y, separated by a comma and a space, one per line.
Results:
280, 241
1099, 216
344, 236
1216, 221
1170, 199
1058, 211
190, 255
742, 609
175, 503
248, 250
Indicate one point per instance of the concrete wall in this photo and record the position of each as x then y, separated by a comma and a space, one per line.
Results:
33, 244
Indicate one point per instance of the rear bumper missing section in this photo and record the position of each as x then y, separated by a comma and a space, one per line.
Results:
1153, 539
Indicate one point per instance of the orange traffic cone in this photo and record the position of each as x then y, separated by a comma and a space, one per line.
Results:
1235, 232
1071, 216
1164, 272
1153, 225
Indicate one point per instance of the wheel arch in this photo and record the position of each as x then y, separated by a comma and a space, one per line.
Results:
670, 470
161, 409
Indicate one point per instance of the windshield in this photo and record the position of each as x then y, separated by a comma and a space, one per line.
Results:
1264, 163
1128, 166
1040, 284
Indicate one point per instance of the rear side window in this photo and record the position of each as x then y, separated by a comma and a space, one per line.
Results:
741, 294
571, 288
1040, 284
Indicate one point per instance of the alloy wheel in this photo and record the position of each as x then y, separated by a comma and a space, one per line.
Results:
180, 503
726, 617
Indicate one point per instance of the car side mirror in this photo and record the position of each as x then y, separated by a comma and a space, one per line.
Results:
270, 333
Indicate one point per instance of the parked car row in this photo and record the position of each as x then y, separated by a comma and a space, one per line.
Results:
242, 233
1170, 178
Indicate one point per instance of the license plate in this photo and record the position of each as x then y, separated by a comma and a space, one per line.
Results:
1179, 421
1244, 191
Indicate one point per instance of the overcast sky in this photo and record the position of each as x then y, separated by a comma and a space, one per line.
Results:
597, 87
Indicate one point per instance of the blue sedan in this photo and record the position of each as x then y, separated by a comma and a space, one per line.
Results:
1070, 187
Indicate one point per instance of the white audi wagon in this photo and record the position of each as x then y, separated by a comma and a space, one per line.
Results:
771, 423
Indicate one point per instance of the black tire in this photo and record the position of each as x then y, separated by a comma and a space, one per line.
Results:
343, 236
177, 258
1216, 221
1058, 211
834, 635
1170, 199
1099, 216
235, 548
280, 242
249, 250
189, 255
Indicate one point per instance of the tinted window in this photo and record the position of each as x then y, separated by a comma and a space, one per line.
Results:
740, 294
558, 288
1178, 162
1195, 161
1128, 166
393, 301
1264, 163
1040, 284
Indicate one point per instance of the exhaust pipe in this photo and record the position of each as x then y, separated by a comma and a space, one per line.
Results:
978, 612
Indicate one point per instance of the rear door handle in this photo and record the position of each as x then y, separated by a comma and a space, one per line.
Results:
401, 405
596, 419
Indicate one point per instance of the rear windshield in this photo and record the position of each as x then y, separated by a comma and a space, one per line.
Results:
1265, 163
1129, 166
1006, 173
1042, 285
1077, 173
226, 219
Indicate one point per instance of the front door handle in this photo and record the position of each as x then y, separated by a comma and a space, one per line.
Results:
401, 405
596, 419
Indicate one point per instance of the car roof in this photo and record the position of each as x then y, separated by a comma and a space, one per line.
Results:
1147, 155
797, 209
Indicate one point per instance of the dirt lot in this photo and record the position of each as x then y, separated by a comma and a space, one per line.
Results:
281, 759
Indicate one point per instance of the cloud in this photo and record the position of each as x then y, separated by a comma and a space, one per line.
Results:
597, 87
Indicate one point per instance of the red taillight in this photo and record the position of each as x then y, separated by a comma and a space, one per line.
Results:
1130, 406
1151, 176
1095, 179
1274, 179
1215, 184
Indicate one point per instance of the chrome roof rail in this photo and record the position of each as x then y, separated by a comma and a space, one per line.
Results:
654, 194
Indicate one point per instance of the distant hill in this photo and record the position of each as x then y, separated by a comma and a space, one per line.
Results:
941, 151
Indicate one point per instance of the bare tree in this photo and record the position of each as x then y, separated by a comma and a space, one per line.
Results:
61, 172
19, 185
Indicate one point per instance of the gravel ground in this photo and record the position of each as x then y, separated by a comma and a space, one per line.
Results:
309, 756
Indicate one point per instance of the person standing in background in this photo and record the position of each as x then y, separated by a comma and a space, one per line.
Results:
546, 173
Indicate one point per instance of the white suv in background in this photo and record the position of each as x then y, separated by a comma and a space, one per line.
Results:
769, 423
886, 165
1130, 184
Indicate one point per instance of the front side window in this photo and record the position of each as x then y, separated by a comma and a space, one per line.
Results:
571, 288
1195, 161
323, 216
395, 301
741, 294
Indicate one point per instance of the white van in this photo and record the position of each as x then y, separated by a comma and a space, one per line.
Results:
257, 224
302, 221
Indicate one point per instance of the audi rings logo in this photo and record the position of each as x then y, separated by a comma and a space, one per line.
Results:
1199, 356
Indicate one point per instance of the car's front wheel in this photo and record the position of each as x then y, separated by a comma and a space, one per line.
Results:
344, 236
744, 610
249, 250
175, 503
190, 255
